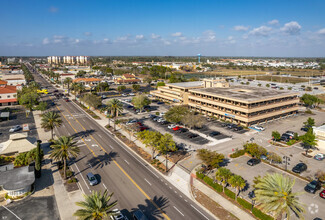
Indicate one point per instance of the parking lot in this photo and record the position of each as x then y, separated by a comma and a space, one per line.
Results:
17, 117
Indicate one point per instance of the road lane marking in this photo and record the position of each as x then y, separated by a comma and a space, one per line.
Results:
175, 192
147, 181
199, 212
178, 211
126, 162
100, 136
185, 200
81, 175
104, 186
11, 212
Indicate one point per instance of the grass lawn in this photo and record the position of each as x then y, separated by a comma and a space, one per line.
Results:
279, 79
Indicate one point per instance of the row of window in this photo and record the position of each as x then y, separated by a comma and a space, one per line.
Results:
8, 96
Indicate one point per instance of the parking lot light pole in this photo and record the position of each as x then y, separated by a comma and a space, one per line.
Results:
286, 160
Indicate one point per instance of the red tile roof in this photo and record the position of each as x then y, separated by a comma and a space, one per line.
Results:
86, 80
8, 100
127, 80
7, 89
128, 75
3, 82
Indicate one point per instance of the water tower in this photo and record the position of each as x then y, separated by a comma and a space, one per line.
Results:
199, 57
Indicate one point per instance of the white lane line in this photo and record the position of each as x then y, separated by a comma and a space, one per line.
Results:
175, 192
147, 181
166, 184
178, 211
91, 127
81, 176
126, 162
11, 212
80, 145
181, 196
104, 186
185, 200
68, 133
111, 147
100, 136
199, 212
170, 187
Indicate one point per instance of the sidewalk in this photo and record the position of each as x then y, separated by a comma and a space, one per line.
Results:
64, 200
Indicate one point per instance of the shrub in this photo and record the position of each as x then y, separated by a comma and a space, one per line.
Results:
259, 214
200, 175
291, 142
244, 203
237, 153
230, 193
72, 180
69, 173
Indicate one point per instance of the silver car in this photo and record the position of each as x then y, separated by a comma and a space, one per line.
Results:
92, 179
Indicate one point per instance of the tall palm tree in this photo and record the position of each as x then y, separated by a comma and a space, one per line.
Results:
96, 206
274, 194
115, 107
50, 120
62, 149
67, 81
223, 175
238, 183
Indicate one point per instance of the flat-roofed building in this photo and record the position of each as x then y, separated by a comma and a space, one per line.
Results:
320, 137
243, 105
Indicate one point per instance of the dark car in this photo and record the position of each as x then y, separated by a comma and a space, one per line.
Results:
231, 126
164, 122
56, 90
285, 137
306, 128
182, 130
192, 135
322, 194
299, 168
160, 103
224, 125
313, 186
214, 133
238, 128
253, 161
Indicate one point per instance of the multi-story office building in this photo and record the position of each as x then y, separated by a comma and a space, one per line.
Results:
54, 60
67, 60
239, 104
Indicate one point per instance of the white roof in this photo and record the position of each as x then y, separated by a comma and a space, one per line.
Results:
17, 143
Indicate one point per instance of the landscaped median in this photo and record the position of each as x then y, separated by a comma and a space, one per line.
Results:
242, 203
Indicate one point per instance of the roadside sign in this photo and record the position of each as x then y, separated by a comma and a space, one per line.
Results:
25, 127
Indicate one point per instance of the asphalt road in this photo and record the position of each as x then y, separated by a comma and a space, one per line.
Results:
135, 184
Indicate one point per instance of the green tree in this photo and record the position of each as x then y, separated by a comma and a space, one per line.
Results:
276, 135
273, 157
136, 87
310, 122
267, 85
139, 101
121, 88
50, 120
42, 106
92, 100
151, 139
190, 119
62, 149
78, 88
148, 80
223, 175
160, 84
166, 145
176, 113
274, 194
308, 140
255, 150
114, 106
28, 100
96, 206
238, 183
67, 81
211, 159
102, 86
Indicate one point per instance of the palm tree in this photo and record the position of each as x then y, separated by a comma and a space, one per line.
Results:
238, 183
78, 88
62, 148
115, 107
68, 81
96, 206
223, 175
50, 120
274, 194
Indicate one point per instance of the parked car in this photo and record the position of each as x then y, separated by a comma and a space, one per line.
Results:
253, 161
164, 122
238, 128
285, 137
156, 118
123, 94
118, 215
319, 157
192, 135
290, 133
214, 133
131, 94
182, 130
258, 127
66, 99
177, 128
322, 194
224, 125
306, 128
313, 186
15, 128
131, 121
299, 168
231, 126
160, 103
92, 179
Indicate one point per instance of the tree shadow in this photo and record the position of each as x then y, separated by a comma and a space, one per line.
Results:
83, 134
150, 210
102, 160
247, 186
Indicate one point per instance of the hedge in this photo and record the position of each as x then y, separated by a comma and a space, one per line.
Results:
258, 213
238, 153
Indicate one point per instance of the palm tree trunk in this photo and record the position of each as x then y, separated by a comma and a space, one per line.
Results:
65, 168
52, 134
166, 162
68, 89
153, 153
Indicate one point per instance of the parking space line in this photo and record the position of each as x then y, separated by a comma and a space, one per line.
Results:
82, 176
104, 186
11, 212
199, 212
126, 162
147, 181
178, 211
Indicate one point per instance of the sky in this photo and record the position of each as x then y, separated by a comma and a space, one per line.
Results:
276, 28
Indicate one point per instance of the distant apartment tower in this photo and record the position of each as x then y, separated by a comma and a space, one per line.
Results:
68, 59
81, 59
54, 59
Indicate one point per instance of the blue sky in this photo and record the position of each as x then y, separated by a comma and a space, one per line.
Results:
163, 27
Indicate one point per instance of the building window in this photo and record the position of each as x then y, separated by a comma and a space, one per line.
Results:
8, 96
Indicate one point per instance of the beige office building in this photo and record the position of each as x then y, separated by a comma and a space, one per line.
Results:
243, 105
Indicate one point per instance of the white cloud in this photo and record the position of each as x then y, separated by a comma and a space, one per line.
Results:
241, 28
155, 36
321, 31
231, 40
209, 36
45, 41
53, 9
291, 28
177, 34
261, 31
88, 34
273, 22
139, 37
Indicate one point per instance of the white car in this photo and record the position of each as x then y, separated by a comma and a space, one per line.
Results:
161, 113
118, 215
124, 95
15, 128
161, 120
172, 126
131, 94
258, 127
131, 121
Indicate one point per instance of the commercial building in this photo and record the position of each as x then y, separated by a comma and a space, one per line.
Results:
320, 136
239, 104
14, 79
127, 79
88, 82
8, 94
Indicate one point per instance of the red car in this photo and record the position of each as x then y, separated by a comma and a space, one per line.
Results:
139, 123
322, 194
177, 128
66, 99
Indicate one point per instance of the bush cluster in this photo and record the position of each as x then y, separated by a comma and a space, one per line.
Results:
237, 153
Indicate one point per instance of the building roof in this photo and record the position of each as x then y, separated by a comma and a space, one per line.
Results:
320, 128
128, 75
187, 84
17, 178
17, 143
7, 89
128, 80
8, 100
3, 82
87, 80
244, 93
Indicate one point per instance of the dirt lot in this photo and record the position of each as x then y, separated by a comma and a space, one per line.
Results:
279, 79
